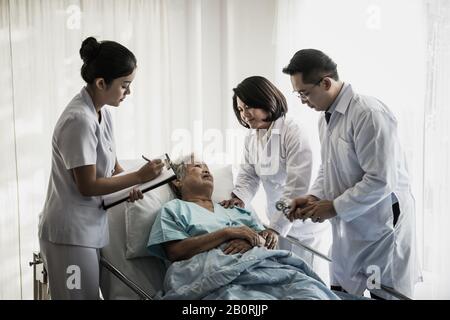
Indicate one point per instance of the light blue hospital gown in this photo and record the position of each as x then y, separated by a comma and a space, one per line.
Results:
180, 219
257, 274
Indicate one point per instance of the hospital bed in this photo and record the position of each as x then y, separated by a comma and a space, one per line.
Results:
117, 285
128, 272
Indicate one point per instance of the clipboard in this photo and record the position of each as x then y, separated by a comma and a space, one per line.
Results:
168, 174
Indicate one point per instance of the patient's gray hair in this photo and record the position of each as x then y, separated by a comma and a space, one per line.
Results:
180, 166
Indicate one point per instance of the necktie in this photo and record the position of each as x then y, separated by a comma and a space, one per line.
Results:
327, 116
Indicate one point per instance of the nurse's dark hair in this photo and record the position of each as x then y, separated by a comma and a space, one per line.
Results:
106, 59
258, 92
313, 65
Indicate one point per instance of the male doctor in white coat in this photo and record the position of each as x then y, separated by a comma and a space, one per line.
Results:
362, 186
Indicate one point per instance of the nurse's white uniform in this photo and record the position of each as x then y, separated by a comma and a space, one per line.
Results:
72, 227
281, 159
364, 172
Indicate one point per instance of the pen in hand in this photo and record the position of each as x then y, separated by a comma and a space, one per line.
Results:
148, 160
151, 169
157, 162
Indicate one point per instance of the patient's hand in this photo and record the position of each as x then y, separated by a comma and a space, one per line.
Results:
237, 246
271, 238
245, 233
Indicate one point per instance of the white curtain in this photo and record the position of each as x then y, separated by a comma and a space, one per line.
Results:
397, 51
437, 152
375, 53
9, 218
190, 53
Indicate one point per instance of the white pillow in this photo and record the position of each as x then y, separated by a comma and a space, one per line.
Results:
140, 215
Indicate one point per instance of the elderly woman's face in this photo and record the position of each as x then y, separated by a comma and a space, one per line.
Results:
197, 174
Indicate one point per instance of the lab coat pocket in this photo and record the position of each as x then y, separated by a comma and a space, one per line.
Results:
365, 228
346, 158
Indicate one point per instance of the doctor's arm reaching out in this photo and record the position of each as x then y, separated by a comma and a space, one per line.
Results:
90, 185
311, 207
234, 201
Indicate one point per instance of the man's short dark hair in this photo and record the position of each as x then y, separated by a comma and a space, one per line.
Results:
258, 92
312, 64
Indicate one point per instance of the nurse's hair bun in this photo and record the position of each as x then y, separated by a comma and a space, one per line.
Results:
89, 49
106, 59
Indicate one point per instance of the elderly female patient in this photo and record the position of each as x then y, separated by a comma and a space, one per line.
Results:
220, 253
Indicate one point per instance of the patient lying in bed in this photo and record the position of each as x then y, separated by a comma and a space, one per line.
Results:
219, 253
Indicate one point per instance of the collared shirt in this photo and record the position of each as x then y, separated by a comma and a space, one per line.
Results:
336, 101
79, 139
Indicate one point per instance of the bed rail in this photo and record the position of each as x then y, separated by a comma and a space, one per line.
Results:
393, 292
40, 276
128, 282
307, 248
40, 281
382, 287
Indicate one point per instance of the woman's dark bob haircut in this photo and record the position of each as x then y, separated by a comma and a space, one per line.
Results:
258, 92
106, 59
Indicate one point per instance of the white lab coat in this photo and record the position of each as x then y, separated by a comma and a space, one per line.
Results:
281, 159
364, 172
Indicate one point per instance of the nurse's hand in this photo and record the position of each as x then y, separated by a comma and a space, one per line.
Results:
271, 237
135, 194
237, 246
230, 203
298, 204
150, 170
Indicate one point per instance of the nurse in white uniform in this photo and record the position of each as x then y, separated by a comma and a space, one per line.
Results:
363, 185
278, 156
73, 226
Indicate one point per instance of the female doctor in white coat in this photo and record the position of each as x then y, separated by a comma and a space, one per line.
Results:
73, 226
276, 154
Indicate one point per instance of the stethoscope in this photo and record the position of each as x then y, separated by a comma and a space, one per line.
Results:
280, 205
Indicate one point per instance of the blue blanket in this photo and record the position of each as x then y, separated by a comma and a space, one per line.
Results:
256, 274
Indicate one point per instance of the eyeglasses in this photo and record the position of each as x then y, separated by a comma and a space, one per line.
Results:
304, 95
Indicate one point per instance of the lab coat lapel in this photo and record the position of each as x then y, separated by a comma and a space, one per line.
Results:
270, 149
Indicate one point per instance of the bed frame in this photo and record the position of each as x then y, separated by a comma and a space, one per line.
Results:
40, 282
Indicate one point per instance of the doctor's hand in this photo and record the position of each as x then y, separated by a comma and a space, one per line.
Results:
135, 194
230, 203
237, 246
271, 237
150, 170
319, 211
298, 204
